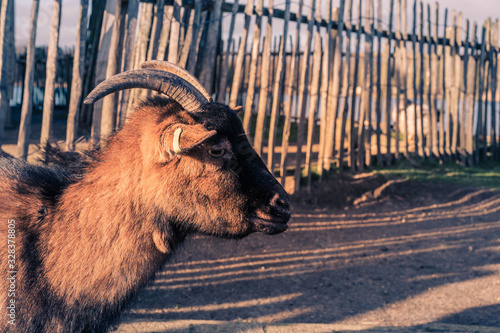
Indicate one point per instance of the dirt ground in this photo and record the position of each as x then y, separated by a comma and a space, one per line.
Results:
406, 257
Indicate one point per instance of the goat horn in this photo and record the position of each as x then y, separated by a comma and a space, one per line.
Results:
179, 71
170, 84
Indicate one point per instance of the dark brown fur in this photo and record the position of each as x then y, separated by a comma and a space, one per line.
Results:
84, 247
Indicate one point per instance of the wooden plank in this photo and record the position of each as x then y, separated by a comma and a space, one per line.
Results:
484, 143
277, 90
470, 100
420, 133
274, 110
346, 85
465, 107
334, 76
352, 137
188, 40
494, 84
313, 105
449, 91
404, 72
444, 91
77, 77
168, 12
7, 7
430, 86
238, 77
175, 27
156, 29
369, 72
414, 80
302, 104
457, 62
207, 73
433, 89
388, 101
127, 60
253, 68
264, 84
288, 105
141, 46
479, 129
193, 50
26, 108
471, 97
378, 97
221, 97
399, 107
108, 115
50, 76
324, 90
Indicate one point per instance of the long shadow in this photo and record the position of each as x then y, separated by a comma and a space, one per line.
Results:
338, 267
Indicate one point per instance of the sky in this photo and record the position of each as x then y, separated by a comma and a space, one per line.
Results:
474, 10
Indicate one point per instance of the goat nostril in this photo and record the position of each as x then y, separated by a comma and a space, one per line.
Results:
283, 204
280, 203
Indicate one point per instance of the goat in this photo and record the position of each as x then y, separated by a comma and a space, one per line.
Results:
82, 247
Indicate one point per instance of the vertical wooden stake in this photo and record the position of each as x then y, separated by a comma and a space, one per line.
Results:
27, 106
48, 100
76, 82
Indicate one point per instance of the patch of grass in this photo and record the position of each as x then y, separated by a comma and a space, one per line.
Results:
486, 175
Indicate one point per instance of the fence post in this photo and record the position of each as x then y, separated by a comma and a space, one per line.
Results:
253, 68
301, 106
208, 60
313, 105
264, 84
108, 114
6, 32
334, 80
221, 95
27, 106
78, 69
324, 87
127, 59
289, 93
48, 100
378, 101
433, 65
479, 130
238, 67
278, 89
346, 84
365, 144
389, 90
101, 65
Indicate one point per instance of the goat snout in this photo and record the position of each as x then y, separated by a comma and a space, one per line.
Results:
280, 206
273, 218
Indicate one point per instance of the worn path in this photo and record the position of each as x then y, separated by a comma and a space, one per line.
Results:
416, 258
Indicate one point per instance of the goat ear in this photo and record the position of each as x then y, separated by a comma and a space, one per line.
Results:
179, 138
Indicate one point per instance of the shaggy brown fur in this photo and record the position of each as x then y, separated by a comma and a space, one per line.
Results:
84, 247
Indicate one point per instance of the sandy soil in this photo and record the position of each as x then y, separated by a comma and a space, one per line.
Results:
361, 254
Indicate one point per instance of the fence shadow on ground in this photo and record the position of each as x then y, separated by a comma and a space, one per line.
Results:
382, 267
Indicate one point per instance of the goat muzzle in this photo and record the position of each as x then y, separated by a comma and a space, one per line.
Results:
273, 219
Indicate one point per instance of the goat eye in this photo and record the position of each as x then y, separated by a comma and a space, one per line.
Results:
216, 153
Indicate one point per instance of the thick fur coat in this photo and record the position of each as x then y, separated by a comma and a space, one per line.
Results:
83, 246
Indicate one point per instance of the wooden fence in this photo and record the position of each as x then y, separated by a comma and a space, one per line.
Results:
327, 84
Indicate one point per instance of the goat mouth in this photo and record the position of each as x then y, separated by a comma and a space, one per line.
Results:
269, 226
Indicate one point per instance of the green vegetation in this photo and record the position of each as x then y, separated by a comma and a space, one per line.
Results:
486, 175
